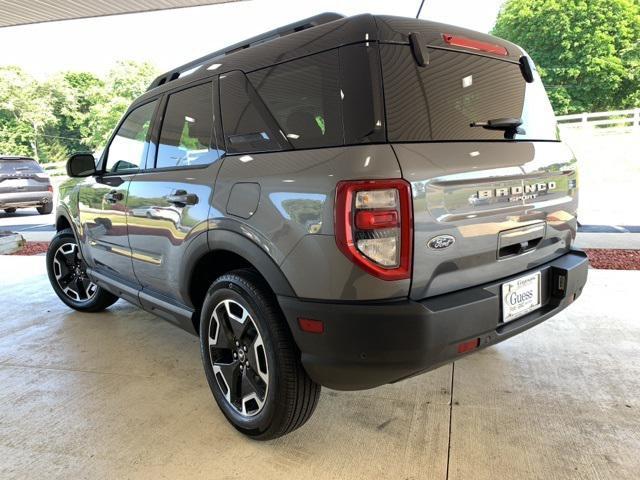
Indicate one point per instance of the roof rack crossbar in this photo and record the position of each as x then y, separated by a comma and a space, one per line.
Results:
294, 27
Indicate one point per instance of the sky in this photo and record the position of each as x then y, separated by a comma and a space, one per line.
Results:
171, 38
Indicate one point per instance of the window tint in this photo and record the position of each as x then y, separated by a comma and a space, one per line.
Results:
248, 125
187, 135
128, 149
440, 101
9, 167
305, 99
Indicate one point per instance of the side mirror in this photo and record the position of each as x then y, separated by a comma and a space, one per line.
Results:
81, 165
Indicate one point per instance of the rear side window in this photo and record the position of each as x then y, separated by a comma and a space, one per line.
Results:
324, 100
304, 98
187, 136
18, 166
248, 124
439, 102
129, 147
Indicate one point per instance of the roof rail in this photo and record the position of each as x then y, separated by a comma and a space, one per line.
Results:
294, 27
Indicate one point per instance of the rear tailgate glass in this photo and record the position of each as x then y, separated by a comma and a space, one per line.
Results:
19, 166
439, 102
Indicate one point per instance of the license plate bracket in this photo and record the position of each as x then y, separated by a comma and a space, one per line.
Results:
521, 296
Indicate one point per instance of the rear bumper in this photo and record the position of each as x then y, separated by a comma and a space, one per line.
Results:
25, 199
368, 344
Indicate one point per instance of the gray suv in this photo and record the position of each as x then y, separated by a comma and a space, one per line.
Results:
344, 202
24, 184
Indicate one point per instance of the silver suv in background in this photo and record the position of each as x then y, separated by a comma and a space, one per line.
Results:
24, 184
344, 202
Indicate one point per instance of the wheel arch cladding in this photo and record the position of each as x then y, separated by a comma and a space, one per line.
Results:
62, 223
225, 251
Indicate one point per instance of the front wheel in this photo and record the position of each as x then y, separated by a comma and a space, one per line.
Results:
10, 210
250, 359
68, 276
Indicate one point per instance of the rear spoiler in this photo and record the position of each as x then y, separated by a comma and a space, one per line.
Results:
248, 43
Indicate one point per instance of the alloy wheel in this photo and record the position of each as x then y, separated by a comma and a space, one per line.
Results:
238, 357
70, 272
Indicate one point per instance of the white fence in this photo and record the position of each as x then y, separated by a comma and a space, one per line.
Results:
619, 119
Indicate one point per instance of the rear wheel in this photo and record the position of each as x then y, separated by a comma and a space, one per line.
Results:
68, 276
10, 210
46, 209
250, 359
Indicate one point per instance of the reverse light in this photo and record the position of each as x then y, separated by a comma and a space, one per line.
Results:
374, 226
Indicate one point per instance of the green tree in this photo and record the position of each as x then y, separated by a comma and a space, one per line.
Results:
587, 51
123, 84
25, 109
69, 112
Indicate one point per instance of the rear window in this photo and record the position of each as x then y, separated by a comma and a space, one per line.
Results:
439, 102
8, 167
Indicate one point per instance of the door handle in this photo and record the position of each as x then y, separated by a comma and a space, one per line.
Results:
182, 198
114, 196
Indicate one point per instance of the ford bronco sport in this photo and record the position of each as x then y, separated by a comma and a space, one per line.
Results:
344, 202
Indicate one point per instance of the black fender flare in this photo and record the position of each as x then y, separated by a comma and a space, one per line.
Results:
227, 240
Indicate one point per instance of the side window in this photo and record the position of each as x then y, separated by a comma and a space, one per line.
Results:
187, 137
248, 125
129, 146
305, 98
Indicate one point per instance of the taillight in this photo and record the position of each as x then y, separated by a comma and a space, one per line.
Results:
50, 188
374, 226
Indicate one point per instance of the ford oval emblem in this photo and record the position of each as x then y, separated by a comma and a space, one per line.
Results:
441, 242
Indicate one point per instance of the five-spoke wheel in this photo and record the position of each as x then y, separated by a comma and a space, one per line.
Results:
251, 361
68, 275
238, 357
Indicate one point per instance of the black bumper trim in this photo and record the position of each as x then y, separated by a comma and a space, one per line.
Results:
367, 344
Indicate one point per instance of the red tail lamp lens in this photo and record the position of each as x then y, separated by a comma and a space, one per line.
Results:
374, 226
472, 44
372, 219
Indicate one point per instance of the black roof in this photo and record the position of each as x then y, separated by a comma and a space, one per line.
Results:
314, 35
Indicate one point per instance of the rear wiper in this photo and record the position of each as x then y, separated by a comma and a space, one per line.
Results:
510, 126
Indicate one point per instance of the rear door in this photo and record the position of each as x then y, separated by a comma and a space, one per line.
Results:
102, 199
487, 203
168, 203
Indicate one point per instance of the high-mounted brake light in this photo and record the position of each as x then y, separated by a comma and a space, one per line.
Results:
374, 226
464, 42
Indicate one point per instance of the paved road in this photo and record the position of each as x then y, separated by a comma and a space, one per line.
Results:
121, 394
28, 222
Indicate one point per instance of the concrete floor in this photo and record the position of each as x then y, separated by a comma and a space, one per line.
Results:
122, 395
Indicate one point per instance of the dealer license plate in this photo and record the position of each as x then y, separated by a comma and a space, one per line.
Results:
520, 296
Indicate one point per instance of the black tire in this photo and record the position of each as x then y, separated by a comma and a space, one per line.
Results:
10, 210
46, 209
99, 298
291, 396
